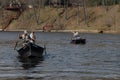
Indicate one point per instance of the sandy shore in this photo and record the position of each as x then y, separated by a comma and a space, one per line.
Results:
81, 31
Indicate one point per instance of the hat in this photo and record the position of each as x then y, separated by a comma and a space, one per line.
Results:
25, 31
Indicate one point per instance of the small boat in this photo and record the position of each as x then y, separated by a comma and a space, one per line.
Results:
31, 50
78, 41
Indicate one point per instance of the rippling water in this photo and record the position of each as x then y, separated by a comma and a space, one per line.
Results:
98, 59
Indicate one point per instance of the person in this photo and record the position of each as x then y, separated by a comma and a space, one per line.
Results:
32, 37
76, 35
24, 36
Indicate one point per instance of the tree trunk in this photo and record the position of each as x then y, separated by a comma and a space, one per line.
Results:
84, 10
104, 2
66, 9
36, 17
78, 14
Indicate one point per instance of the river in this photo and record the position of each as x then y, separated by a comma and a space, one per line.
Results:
98, 59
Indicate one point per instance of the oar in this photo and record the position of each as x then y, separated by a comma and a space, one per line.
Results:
45, 49
16, 45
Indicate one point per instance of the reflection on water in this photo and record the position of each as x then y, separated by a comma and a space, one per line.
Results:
30, 62
98, 59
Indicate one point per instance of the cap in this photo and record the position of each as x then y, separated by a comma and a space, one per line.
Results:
25, 31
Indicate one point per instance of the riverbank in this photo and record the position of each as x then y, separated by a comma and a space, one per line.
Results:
98, 20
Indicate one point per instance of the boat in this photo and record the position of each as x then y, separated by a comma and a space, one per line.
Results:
31, 50
78, 40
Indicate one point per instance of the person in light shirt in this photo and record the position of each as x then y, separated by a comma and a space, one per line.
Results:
32, 37
76, 35
24, 36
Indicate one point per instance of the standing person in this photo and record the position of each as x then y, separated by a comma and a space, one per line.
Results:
32, 37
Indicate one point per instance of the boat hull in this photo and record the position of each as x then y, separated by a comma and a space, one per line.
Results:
31, 50
78, 41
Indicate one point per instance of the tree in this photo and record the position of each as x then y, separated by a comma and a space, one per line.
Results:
84, 10
66, 8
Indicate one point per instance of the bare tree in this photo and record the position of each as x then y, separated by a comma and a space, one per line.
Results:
49, 3
66, 8
78, 13
35, 13
104, 2
42, 3
84, 10
58, 17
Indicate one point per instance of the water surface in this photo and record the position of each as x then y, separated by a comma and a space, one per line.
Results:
98, 59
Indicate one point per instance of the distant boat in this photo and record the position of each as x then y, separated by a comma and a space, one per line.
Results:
31, 50
78, 40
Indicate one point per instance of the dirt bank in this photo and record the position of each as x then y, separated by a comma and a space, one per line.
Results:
98, 19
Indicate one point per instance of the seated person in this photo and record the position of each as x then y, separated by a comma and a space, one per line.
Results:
76, 35
32, 37
25, 37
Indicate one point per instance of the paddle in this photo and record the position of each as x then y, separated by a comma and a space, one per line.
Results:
16, 45
45, 49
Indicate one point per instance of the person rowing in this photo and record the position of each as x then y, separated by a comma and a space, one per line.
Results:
28, 38
25, 37
32, 37
76, 35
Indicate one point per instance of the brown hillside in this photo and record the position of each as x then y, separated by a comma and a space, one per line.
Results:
97, 19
